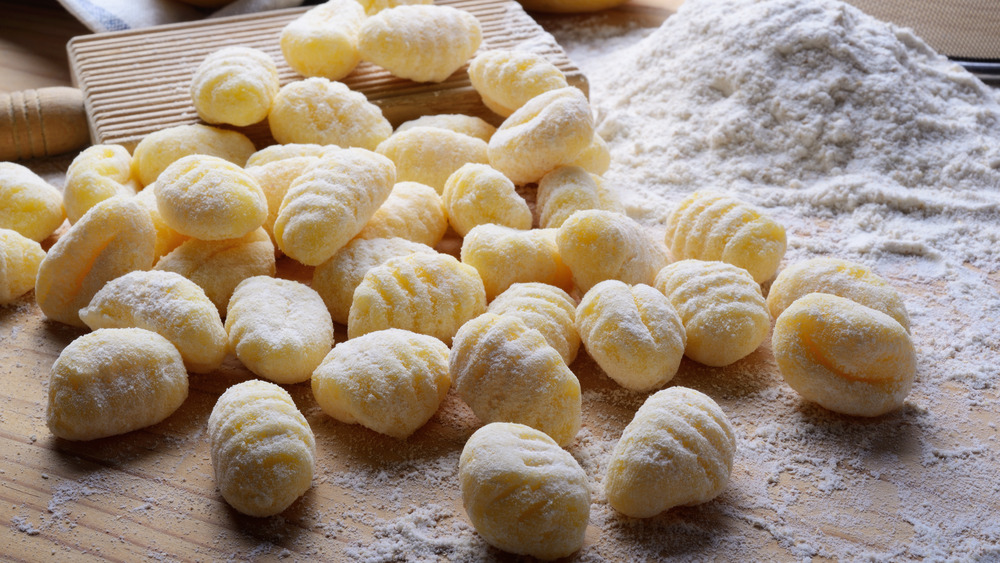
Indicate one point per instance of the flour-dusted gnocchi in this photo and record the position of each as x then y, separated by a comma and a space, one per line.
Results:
547, 132
677, 451
391, 381
466, 124
373, 7
430, 155
847, 357
208, 198
112, 381
96, 174
505, 256
28, 204
838, 277
218, 266
523, 493
477, 194
331, 202
319, 111
431, 294
168, 304
713, 226
596, 158
112, 239
600, 245
160, 149
277, 153
569, 189
633, 333
235, 85
507, 372
413, 211
324, 40
263, 451
724, 313
425, 43
280, 329
337, 278
545, 308
167, 238
19, 260
507, 79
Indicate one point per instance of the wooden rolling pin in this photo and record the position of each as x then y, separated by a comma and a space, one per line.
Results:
42, 122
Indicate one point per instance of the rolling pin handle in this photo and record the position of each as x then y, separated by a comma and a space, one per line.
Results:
42, 122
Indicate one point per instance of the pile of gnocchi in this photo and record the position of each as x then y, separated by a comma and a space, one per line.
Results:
170, 260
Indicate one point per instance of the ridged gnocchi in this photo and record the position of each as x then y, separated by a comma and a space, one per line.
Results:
477, 194
430, 155
262, 449
373, 7
724, 313
317, 110
324, 40
331, 202
507, 372
413, 211
235, 85
838, 277
19, 260
99, 172
545, 308
600, 245
167, 238
391, 381
424, 43
466, 124
505, 256
677, 451
28, 204
523, 493
160, 149
596, 158
713, 226
168, 304
633, 333
112, 381
568, 189
846, 357
507, 79
431, 294
280, 329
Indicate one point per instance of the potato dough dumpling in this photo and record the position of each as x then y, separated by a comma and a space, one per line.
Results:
505, 256
316, 110
167, 238
413, 211
324, 40
507, 79
28, 204
545, 308
235, 85
507, 372
280, 329
19, 260
263, 451
160, 149
391, 381
96, 174
569, 189
477, 194
373, 7
430, 155
466, 124
677, 451
523, 493
847, 357
112, 381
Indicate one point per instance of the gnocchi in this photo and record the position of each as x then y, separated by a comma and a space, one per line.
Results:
96, 174
160, 149
523, 493
235, 86
477, 194
569, 189
430, 155
412, 211
846, 357
466, 124
569, 6
596, 158
167, 238
373, 7
319, 111
19, 260
391, 381
324, 40
545, 308
507, 79
505, 256
28, 204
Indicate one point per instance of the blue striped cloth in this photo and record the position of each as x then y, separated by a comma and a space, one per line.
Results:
119, 15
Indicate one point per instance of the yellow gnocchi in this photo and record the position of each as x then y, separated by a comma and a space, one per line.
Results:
262, 449
280, 329
413, 211
547, 132
507, 79
431, 294
160, 149
168, 304
208, 198
596, 158
112, 381
545, 308
96, 174
429, 155
505, 256
633, 333
391, 381
836, 277
373, 7
507, 372
324, 40
523, 493
331, 202
424, 43
569, 189
677, 451
235, 86
276, 153
600, 245
112, 239
713, 226
28, 204
466, 124
846, 357
167, 238
218, 266
319, 111
477, 194
724, 313
19, 260
337, 278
